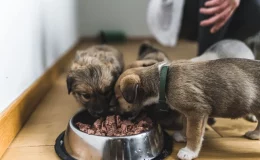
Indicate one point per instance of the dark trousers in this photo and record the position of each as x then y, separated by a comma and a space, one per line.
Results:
245, 22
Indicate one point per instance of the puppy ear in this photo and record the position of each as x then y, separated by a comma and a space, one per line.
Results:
70, 81
144, 48
130, 93
129, 87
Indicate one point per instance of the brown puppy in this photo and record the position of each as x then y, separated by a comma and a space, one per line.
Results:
92, 77
147, 56
226, 88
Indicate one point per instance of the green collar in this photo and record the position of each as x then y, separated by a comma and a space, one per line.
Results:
162, 106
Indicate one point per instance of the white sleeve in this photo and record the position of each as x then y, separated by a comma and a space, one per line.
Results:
164, 20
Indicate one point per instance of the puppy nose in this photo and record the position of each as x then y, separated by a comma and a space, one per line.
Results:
128, 115
99, 111
112, 109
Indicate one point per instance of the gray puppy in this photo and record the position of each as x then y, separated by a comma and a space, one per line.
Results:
92, 77
228, 88
228, 48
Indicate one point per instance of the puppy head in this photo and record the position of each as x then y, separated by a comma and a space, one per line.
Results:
92, 87
128, 91
133, 92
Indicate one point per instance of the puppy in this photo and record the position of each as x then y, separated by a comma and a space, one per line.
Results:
148, 55
227, 88
228, 48
92, 76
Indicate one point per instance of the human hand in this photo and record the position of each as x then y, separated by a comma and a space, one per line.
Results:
221, 11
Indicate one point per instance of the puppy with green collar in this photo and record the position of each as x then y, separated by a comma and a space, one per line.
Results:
228, 88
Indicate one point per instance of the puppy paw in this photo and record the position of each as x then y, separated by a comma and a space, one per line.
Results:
186, 154
211, 121
255, 135
179, 137
251, 118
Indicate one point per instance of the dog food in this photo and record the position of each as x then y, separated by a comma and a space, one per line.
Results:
115, 126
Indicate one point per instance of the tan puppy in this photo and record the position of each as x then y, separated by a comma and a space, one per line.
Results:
92, 77
149, 55
226, 88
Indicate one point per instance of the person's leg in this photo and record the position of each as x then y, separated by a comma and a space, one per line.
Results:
244, 23
189, 24
205, 38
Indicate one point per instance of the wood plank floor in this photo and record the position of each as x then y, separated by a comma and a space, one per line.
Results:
35, 141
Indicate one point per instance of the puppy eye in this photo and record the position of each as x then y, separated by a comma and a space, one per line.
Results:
86, 96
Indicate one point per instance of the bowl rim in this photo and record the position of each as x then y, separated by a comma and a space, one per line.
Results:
64, 155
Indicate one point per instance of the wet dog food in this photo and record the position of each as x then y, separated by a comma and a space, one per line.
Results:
115, 126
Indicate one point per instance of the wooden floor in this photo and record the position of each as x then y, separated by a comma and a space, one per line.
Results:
35, 141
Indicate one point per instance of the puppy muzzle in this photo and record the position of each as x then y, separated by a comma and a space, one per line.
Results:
98, 109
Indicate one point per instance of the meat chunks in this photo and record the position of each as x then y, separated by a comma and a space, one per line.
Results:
114, 125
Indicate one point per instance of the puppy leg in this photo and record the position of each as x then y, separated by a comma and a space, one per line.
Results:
256, 133
180, 135
251, 118
195, 132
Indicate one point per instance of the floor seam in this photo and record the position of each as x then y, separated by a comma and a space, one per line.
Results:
30, 146
217, 132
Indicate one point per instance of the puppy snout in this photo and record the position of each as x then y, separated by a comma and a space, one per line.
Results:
100, 113
113, 101
99, 109
112, 109
113, 105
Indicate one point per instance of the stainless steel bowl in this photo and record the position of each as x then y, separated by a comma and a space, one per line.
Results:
80, 145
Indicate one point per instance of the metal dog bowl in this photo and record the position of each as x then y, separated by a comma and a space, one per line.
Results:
82, 146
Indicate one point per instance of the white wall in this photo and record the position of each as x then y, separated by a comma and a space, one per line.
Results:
126, 15
33, 35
